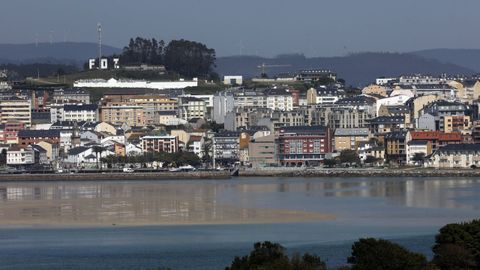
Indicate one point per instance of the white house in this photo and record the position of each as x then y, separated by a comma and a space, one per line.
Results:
392, 101
279, 99
133, 150
83, 156
17, 156
115, 138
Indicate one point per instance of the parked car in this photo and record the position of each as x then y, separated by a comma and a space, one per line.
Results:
128, 170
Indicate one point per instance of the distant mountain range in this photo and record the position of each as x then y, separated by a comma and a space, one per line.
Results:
356, 69
469, 58
75, 53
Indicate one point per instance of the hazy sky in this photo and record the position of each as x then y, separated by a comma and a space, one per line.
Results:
262, 27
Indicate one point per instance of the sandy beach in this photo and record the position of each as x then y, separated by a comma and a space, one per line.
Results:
110, 204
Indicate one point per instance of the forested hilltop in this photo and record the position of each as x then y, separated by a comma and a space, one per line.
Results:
183, 57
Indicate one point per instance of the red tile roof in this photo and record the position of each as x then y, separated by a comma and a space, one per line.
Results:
436, 135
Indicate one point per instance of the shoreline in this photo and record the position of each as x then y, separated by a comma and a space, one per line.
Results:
360, 172
225, 175
135, 176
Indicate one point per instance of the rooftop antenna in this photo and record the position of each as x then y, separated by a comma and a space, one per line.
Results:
99, 31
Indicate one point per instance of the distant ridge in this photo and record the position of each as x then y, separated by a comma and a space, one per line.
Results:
469, 58
58, 53
357, 69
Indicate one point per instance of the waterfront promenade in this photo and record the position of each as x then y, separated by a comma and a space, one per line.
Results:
248, 172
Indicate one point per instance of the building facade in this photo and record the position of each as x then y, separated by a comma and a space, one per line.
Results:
302, 145
168, 144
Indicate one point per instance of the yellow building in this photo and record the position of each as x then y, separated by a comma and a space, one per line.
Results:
134, 116
457, 123
350, 138
15, 109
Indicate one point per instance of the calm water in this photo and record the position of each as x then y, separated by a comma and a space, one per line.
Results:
204, 224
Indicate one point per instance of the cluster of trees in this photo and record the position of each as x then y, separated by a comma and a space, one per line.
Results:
457, 248
184, 57
349, 158
168, 159
272, 256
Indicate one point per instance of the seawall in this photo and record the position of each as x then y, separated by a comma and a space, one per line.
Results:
371, 172
136, 176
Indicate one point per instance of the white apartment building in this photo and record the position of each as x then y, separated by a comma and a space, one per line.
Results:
191, 107
80, 112
17, 156
457, 156
223, 103
279, 99
249, 98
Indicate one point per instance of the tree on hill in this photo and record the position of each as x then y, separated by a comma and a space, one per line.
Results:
184, 57
190, 58
457, 246
271, 256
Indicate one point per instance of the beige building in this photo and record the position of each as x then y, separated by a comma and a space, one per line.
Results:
165, 118
15, 109
184, 136
350, 138
52, 150
133, 116
421, 102
154, 105
262, 151
105, 127
375, 90
191, 107
456, 123
468, 90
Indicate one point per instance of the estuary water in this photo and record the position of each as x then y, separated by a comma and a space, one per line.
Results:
204, 224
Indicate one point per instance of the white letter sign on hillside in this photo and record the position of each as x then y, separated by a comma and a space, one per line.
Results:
92, 63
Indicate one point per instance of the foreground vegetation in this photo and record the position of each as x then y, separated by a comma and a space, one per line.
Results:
457, 247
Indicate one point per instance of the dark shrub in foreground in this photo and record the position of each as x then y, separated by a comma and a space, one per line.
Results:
271, 256
373, 254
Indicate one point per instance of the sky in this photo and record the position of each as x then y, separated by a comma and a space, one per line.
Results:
251, 27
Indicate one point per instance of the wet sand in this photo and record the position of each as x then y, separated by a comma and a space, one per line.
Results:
132, 204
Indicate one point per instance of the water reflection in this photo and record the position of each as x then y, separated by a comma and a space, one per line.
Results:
230, 201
